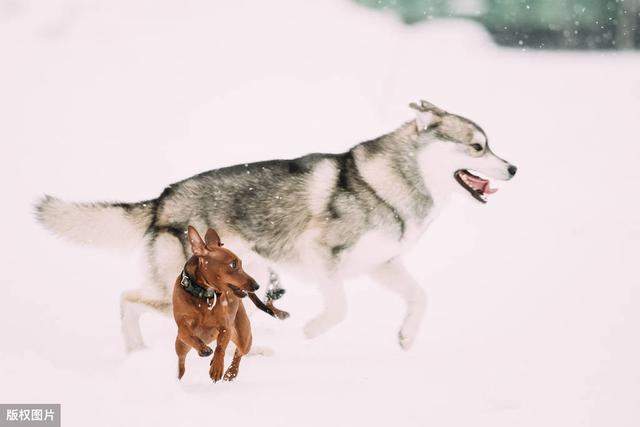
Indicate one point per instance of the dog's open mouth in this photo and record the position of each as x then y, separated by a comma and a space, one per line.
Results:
237, 291
476, 186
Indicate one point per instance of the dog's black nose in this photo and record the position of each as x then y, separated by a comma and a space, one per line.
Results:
254, 286
512, 170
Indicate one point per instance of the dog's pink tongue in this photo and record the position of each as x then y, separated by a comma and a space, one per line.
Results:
488, 190
481, 185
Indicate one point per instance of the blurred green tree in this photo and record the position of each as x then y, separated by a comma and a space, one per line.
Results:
411, 11
590, 24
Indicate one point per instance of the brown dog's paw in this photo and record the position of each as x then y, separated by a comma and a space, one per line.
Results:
205, 352
231, 373
215, 372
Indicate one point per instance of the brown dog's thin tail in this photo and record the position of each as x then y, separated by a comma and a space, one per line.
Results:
107, 225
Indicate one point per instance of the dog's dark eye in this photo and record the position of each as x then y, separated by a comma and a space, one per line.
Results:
233, 264
476, 147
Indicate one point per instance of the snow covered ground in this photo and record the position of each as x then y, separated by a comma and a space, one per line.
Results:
534, 299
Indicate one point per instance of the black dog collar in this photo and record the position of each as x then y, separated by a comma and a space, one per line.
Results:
190, 285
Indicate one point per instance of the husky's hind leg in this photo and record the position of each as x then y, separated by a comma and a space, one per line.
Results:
395, 277
334, 308
165, 257
132, 305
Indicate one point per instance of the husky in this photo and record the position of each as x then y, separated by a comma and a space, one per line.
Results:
324, 217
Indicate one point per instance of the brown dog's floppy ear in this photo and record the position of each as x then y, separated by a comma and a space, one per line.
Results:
197, 245
212, 239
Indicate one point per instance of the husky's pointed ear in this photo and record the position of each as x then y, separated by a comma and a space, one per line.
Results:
425, 116
212, 239
427, 106
197, 245
424, 119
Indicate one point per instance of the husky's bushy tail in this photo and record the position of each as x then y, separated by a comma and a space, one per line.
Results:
106, 225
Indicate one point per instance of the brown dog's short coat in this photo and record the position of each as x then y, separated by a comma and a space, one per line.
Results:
207, 305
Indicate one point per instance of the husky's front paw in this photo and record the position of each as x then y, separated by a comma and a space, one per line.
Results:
407, 334
315, 328
405, 341
134, 347
261, 351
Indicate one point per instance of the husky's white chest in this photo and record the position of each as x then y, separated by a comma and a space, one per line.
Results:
378, 246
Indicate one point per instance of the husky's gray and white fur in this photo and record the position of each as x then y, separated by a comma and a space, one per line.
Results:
324, 216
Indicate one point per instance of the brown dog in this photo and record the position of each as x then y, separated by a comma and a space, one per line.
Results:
207, 305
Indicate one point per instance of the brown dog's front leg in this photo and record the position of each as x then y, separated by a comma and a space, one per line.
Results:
232, 372
186, 336
181, 350
217, 363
